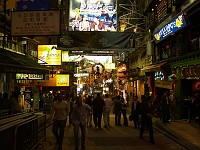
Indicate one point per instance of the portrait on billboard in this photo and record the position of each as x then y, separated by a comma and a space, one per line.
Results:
92, 15
49, 55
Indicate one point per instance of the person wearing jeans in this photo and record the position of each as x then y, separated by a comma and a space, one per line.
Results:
79, 117
59, 114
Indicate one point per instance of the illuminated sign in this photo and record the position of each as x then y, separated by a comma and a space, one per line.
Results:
62, 80
20, 76
92, 52
81, 75
67, 58
109, 65
159, 75
174, 25
49, 55
98, 15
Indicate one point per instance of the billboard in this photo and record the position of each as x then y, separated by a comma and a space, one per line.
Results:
30, 23
49, 55
92, 15
174, 25
62, 80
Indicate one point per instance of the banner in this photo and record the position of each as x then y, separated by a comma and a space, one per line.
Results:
96, 40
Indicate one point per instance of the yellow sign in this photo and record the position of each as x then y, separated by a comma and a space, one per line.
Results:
62, 80
109, 65
49, 55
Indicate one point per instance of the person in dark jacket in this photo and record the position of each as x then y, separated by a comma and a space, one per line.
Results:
89, 115
117, 111
135, 112
97, 105
146, 118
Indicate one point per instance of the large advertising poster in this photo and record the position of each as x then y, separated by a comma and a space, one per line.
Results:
92, 15
49, 55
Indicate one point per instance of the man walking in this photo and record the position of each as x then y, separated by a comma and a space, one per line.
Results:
79, 117
106, 110
98, 104
59, 114
117, 111
146, 118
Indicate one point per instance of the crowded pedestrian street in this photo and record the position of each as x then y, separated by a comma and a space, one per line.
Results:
185, 137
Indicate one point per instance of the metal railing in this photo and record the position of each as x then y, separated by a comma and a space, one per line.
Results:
23, 134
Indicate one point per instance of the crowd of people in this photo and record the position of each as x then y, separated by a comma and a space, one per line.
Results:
91, 111
95, 111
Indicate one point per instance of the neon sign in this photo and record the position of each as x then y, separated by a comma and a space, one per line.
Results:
159, 75
174, 25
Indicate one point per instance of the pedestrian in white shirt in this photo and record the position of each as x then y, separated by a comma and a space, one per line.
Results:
107, 109
59, 113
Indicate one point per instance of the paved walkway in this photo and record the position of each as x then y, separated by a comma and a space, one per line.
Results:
183, 132
127, 138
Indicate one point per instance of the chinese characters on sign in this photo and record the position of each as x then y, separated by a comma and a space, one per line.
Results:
35, 23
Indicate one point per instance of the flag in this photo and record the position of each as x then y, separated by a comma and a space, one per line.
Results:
10, 4
31, 5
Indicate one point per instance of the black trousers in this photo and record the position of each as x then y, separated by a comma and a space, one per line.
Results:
97, 117
146, 120
125, 117
117, 117
58, 130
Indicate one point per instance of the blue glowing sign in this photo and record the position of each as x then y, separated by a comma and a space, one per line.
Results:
174, 25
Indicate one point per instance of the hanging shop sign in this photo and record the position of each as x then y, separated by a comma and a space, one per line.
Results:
21, 76
92, 52
29, 23
163, 84
49, 55
159, 75
109, 65
81, 75
62, 80
173, 26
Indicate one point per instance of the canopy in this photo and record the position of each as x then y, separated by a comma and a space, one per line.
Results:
11, 62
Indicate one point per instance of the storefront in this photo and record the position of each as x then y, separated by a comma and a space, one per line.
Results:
187, 85
19, 71
157, 78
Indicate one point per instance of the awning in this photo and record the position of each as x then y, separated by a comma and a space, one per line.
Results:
153, 67
11, 62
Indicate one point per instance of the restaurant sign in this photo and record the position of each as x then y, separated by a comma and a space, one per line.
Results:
21, 76
174, 25
163, 84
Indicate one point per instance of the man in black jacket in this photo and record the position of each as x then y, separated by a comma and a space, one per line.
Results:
146, 118
97, 105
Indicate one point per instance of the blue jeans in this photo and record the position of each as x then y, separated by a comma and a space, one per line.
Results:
76, 137
58, 130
